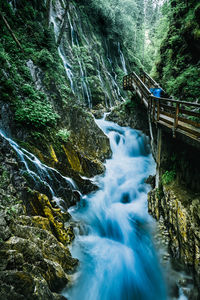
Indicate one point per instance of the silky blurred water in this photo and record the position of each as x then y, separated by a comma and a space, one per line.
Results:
113, 241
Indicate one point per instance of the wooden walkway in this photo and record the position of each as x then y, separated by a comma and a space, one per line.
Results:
180, 116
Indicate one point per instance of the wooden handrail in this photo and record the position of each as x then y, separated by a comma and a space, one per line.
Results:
177, 101
165, 111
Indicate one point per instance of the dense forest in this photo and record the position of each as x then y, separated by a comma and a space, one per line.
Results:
79, 154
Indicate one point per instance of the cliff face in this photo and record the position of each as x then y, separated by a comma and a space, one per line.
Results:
177, 198
176, 201
60, 68
47, 89
34, 236
179, 209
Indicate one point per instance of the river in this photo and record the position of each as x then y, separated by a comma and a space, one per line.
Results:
113, 240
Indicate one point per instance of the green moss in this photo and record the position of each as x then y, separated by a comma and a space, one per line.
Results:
44, 59
4, 179
38, 114
168, 177
63, 134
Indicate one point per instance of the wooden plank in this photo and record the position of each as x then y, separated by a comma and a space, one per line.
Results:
169, 107
167, 114
190, 130
168, 121
190, 113
193, 123
184, 120
190, 135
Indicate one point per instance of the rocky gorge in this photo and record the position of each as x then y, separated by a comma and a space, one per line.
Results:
65, 70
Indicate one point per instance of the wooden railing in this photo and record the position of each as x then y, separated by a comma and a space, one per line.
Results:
180, 116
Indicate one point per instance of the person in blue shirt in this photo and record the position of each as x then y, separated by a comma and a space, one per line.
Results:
156, 91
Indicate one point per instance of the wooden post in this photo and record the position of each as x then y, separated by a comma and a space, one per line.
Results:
176, 120
10, 30
158, 110
158, 156
129, 81
154, 108
150, 111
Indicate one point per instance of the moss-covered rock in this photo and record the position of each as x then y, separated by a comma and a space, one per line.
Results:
180, 210
130, 113
35, 261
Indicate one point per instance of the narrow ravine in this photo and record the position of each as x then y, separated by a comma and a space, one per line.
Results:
113, 242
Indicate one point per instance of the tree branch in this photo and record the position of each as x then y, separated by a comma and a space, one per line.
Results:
10, 30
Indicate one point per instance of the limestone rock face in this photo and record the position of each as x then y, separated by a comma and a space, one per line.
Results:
86, 135
35, 262
80, 154
180, 210
130, 113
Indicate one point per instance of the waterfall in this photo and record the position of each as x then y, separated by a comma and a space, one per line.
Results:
65, 61
74, 39
85, 87
114, 246
69, 56
122, 59
67, 67
107, 97
41, 177
13, 4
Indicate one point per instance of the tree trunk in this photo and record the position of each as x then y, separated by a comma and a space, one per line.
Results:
10, 30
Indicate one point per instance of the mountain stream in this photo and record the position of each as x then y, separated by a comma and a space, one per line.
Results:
113, 241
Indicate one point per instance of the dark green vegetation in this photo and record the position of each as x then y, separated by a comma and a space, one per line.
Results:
178, 65
120, 22
30, 105
37, 105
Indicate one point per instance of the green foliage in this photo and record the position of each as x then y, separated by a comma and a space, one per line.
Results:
118, 20
4, 179
178, 68
130, 105
168, 177
44, 59
63, 134
38, 114
156, 27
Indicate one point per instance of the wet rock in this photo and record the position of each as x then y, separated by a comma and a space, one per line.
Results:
34, 258
151, 180
180, 211
130, 113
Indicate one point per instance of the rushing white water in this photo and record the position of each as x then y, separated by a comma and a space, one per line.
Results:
106, 95
13, 5
66, 63
42, 178
67, 69
114, 246
122, 59
85, 86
